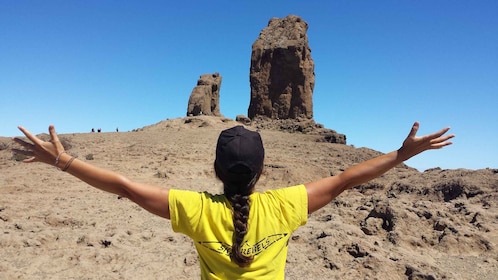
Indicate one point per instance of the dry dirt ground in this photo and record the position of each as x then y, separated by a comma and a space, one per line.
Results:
436, 224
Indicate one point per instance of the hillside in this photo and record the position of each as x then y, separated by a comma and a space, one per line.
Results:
437, 224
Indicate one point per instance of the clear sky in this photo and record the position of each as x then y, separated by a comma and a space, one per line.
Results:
379, 65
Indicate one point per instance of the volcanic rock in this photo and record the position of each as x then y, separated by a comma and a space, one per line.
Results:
282, 74
205, 97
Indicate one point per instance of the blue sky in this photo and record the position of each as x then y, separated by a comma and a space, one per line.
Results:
379, 65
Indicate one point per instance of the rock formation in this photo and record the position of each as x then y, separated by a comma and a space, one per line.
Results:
282, 71
205, 97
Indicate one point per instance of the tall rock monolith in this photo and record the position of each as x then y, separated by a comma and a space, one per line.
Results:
282, 73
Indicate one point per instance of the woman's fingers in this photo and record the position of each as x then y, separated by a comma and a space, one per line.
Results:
30, 136
23, 152
53, 134
441, 142
29, 148
40, 150
438, 139
54, 138
414, 129
29, 154
414, 144
439, 133
24, 143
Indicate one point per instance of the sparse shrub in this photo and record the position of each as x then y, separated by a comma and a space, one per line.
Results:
162, 175
105, 243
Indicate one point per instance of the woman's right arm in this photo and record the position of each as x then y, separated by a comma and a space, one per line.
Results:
152, 198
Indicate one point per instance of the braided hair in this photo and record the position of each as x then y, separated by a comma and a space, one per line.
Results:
238, 164
238, 185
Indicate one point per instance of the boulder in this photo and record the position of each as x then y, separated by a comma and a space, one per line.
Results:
243, 119
282, 74
205, 97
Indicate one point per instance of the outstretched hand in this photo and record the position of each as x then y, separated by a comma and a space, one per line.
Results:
414, 144
39, 150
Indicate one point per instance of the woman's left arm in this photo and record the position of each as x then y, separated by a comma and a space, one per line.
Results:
323, 191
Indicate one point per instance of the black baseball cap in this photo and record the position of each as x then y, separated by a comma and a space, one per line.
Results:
239, 151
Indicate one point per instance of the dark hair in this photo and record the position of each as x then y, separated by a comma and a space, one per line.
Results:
238, 185
238, 164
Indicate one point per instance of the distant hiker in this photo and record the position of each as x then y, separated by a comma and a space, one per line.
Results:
93, 130
240, 234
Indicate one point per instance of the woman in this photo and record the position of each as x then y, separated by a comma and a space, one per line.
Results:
240, 234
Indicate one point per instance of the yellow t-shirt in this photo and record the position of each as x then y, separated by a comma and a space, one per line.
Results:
207, 219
